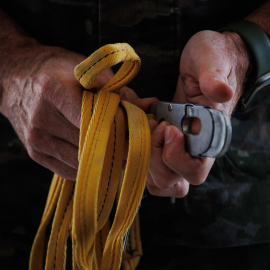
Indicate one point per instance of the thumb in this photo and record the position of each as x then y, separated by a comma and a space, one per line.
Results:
215, 86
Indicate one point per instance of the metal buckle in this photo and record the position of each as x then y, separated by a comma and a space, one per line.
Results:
214, 138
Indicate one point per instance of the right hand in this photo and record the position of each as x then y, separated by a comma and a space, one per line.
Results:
42, 100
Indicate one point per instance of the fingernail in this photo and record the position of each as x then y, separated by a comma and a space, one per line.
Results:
168, 135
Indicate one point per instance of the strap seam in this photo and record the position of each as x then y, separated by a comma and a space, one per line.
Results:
99, 60
86, 184
55, 254
110, 176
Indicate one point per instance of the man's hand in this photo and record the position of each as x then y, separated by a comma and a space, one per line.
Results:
42, 100
213, 68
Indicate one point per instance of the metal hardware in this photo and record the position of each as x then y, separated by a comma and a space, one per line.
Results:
214, 137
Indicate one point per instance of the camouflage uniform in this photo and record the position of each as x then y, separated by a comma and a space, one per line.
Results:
221, 224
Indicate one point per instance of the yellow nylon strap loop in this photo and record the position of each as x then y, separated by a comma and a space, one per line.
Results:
132, 187
89, 175
104, 58
36, 257
85, 209
56, 255
111, 168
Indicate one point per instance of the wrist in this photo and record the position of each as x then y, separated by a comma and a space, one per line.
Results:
240, 49
243, 62
24, 61
258, 83
14, 51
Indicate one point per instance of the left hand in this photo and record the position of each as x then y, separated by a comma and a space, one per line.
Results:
213, 68
165, 175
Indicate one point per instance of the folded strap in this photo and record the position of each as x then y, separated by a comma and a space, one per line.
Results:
99, 208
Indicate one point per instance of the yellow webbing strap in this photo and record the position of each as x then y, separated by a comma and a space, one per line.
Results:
98, 209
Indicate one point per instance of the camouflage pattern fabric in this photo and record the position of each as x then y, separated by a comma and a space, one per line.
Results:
231, 208
254, 257
221, 224
158, 30
72, 24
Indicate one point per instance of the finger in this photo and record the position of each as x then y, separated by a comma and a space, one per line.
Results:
49, 120
45, 144
55, 165
179, 190
162, 176
214, 68
129, 95
194, 170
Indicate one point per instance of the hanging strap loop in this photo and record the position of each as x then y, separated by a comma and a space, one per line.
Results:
83, 209
104, 58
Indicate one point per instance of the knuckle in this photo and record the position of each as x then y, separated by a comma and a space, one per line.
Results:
125, 92
151, 190
43, 83
196, 171
182, 193
69, 174
160, 183
181, 188
36, 119
50, 89
197, 178
32, 138
167, 156
154, 190
164, 182
42, 80
34, 154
